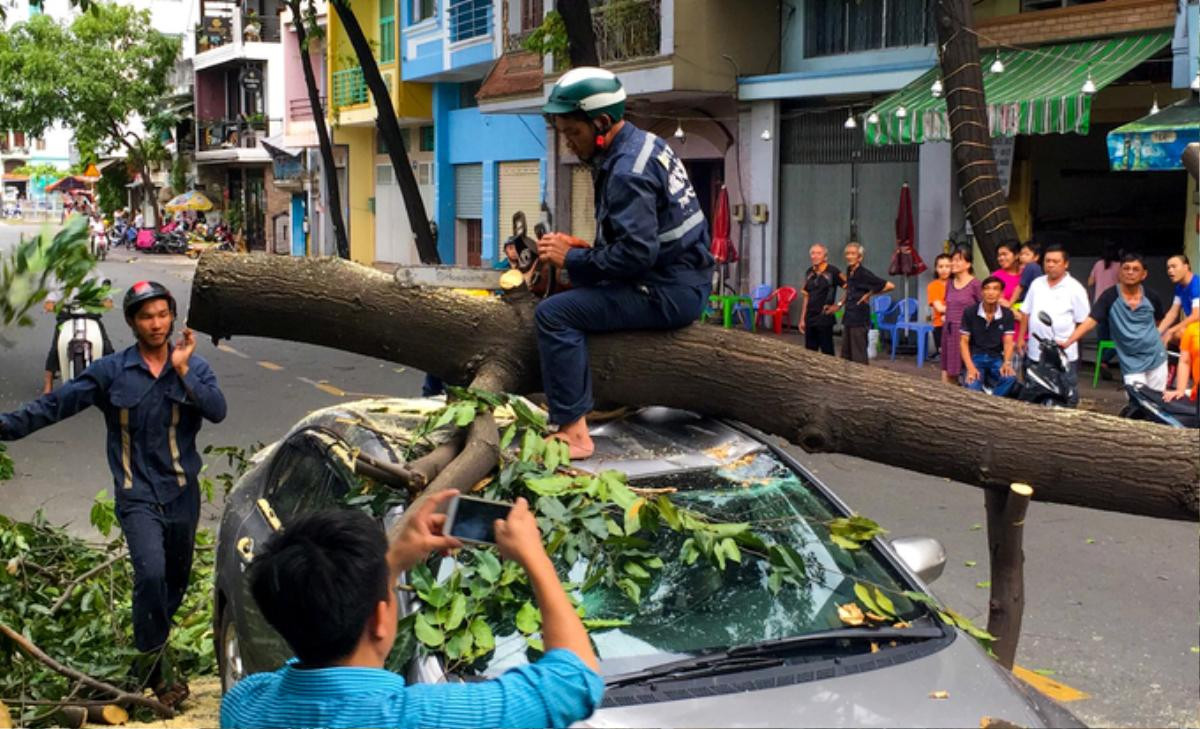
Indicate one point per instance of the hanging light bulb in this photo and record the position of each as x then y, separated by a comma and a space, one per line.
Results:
872, 118
937, 89
1089, 86
901, 112
679, 130
766, 135
997, 65
1154, 107
1196, 82
851, 122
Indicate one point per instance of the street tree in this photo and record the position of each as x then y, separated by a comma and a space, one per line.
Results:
389, 130
1069, 456
104, 76
304, 21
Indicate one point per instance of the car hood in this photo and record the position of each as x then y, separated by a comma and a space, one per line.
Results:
974, 685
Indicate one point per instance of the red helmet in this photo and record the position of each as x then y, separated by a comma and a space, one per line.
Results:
144, 291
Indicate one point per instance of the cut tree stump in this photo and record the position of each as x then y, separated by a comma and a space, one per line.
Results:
1006, 605
815, 401
109, 714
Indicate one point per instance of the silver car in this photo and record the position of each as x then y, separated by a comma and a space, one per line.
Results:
703, 647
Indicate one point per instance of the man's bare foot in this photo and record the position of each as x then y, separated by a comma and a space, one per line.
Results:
578, 438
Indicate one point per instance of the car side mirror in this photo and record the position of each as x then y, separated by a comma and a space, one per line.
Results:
923, 555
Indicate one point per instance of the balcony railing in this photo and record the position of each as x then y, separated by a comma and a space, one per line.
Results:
349, 88
627, 29
469, 19
300, 110
387, 40
217, 134
225, 23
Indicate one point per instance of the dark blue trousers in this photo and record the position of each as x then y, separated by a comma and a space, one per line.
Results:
564, 320
161, 541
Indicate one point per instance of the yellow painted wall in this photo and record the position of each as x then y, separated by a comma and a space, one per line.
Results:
360, 181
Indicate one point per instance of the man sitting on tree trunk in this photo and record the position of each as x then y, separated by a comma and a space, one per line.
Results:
649, 267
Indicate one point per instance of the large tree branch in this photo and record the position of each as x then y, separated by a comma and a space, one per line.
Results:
821, 403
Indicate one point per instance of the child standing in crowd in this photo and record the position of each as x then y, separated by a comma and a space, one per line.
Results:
1009, 272
962, 293
1029, 255
935, 292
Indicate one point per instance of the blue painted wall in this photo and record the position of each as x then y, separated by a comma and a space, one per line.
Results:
445, 100
299, 240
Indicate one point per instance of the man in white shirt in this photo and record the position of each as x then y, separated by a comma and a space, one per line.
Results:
1065, 300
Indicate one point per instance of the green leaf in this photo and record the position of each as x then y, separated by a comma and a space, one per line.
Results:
426, 633
844, 543
421, 578
984, 584
604, 623
631, 589
459, 644
635, 570
532, 445
487, 565
775, 582
1043, 671
618, 492
528, 619
976, 527
885, 603
484, 639
536, 644
531, 419
465, 414
731, 550
632, 521
669, 513
689, 552
458, 611
549, 485
863, 593
509, 433
552, 455
969, 563
437, 596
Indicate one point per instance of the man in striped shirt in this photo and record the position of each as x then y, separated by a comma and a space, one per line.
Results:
326, 585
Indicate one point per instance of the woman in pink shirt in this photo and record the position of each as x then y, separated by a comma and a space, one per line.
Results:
1104, 271
1009, 271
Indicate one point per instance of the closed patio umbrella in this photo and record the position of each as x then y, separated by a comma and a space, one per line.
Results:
722, 248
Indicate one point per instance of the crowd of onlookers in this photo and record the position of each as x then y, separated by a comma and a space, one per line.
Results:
982, 328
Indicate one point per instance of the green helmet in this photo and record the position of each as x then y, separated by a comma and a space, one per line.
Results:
591, 90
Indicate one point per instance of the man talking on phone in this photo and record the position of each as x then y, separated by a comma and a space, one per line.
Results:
342, 633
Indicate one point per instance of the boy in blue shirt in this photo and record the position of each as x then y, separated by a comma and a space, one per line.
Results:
1186, 301
326, 584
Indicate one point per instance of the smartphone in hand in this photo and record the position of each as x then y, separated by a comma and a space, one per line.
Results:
472, 520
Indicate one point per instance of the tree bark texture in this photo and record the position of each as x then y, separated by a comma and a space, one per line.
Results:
816, 401
1006, 524
581, 36
979, 186
333, 193
389, 128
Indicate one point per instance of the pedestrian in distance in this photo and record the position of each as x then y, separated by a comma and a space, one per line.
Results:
1065, 301
987, 341
1185, 305
935, 294
342, 632
962, 294
154, 396
819, 293
860, 285
1009, 271
1132, 312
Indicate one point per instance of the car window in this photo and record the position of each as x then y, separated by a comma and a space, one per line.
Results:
306, 477
689, 609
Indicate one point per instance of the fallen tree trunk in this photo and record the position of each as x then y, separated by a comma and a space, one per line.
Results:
820, 403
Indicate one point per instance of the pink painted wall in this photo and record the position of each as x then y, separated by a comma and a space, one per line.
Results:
210, 94
293, 74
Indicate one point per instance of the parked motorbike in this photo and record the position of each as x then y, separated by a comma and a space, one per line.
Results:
80, 342
100, 245
1147, 404
1046, 381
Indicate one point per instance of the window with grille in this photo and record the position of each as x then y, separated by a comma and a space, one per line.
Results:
833, 27
427, 139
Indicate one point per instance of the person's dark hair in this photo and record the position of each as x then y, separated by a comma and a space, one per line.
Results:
318, 581
1037, 252
940, 257
1131, 256
1112, 254
1010, 246
1056, 248
991, 280
967, 255
1183, 257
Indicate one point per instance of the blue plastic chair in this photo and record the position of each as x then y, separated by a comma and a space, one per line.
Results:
747, 313
886, 314
907, 321
880, 306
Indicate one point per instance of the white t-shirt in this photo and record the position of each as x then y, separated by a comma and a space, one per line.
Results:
1067, 304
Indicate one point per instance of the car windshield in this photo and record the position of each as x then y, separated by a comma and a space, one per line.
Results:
689, 609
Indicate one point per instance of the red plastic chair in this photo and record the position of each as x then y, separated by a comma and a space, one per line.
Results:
782, 298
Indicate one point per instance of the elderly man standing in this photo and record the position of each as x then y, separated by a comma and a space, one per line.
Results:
860, 285
821, 283
1132, 313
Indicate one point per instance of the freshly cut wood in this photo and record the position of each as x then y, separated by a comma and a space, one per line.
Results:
816, 401
1006, 605
109, 714
5, 717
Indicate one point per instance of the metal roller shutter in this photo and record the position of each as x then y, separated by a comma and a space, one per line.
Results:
468, 191
583, 204
520, 190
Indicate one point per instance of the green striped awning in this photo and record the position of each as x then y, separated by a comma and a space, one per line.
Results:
1039, 92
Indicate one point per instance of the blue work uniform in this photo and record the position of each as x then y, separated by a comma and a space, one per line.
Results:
152, 425
649, 267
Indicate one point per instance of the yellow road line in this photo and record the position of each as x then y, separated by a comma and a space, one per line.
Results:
231, 350
324, 387
1058, 691
270, 366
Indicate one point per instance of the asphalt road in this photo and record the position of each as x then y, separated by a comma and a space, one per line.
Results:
1111, 599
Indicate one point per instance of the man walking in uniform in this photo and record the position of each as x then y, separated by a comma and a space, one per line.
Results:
649, 267
153, 396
